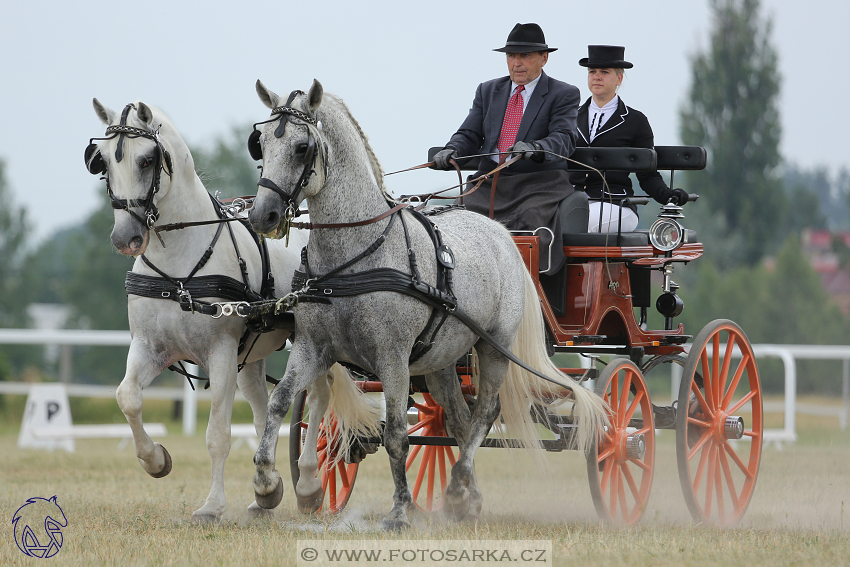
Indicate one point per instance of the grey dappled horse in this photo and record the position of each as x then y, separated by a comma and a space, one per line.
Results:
156, 170
343, 183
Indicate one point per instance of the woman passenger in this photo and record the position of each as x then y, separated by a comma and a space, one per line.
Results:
605, 121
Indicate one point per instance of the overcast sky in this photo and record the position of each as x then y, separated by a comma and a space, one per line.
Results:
407, 70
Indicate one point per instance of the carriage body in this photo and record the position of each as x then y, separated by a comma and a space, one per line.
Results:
604, 293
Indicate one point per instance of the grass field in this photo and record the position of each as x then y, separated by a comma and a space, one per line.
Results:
118, 515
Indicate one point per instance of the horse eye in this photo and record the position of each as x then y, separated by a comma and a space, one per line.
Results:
146, 162
301, 149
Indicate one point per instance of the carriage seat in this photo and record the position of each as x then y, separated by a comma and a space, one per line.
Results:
575, 213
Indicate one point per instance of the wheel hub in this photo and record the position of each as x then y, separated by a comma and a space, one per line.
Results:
733, 427
635, 446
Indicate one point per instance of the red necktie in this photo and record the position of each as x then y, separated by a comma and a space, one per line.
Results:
513, 117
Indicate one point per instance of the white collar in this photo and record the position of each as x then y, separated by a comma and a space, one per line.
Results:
609, 107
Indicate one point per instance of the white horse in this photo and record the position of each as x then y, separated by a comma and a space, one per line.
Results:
314, 148
151, 178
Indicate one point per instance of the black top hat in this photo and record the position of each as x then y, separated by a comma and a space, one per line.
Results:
605, 57
526, 38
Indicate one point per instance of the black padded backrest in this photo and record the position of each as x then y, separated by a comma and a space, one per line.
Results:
680, 158
603, 159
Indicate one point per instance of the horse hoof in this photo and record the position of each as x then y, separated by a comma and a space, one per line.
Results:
310, 504
457, 507
166, 467
395, 525
257, 513
272, 499
205, 519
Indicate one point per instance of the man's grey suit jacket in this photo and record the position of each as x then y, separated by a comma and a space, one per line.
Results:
549, 118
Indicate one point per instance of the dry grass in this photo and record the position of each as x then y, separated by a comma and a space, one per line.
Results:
119, 516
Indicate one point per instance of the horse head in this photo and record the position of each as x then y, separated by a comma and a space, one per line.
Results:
135, 157
294, 152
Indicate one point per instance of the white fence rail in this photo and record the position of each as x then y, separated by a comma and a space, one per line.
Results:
789, 354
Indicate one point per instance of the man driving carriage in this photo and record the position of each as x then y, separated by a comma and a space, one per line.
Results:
522, 114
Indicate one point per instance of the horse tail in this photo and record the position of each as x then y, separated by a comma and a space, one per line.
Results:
522, 388
350, 414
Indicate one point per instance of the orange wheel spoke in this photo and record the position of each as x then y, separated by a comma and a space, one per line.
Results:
421, 473
730, 482
737, 460
754, 434
706, 435
701, 400
615, 489
632, 486
621, 493
715, 370
450, 453
742, 366
605, 454
702, 424
606, 475
614, 395
624, 396
703, 458
724, 372
633, 408
343, 475
432, 462
442, 454
706, 380
416, 427
709, 480
752, 394
412, 456
641, 464
718, 488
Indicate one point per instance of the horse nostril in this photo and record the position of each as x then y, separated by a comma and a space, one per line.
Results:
273, 219
136, 242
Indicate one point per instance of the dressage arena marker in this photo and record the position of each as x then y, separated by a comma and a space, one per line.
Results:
47, 423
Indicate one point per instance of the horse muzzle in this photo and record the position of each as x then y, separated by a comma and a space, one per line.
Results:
130, 242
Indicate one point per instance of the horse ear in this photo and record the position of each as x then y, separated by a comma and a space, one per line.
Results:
268, 97
106, 115
144, 113
314, 97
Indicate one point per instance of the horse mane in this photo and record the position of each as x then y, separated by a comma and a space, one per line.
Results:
377, 170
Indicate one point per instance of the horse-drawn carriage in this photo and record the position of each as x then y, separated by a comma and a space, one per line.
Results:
604, 296
403, 295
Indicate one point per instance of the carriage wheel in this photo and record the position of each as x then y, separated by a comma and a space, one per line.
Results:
432, 462
719, 424
337, 480
621, 463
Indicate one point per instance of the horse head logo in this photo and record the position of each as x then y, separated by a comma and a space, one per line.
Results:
38, 527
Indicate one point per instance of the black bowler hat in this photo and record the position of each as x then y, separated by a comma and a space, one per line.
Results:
526, 38
605, 57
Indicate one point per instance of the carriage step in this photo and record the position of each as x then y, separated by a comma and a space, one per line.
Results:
675, 339
588, 339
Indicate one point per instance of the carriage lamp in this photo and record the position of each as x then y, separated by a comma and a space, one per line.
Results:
669, 304
733, 427
665, 234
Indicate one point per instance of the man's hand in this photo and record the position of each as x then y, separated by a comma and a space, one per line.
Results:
441, 158
678, 196
528, 150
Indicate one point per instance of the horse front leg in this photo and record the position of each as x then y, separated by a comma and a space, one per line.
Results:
222, 373
252, 383
463, 497
140, 372
396, 390
301, 371
308, 490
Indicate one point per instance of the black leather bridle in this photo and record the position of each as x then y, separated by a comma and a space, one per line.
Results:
314, 149
162, 162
